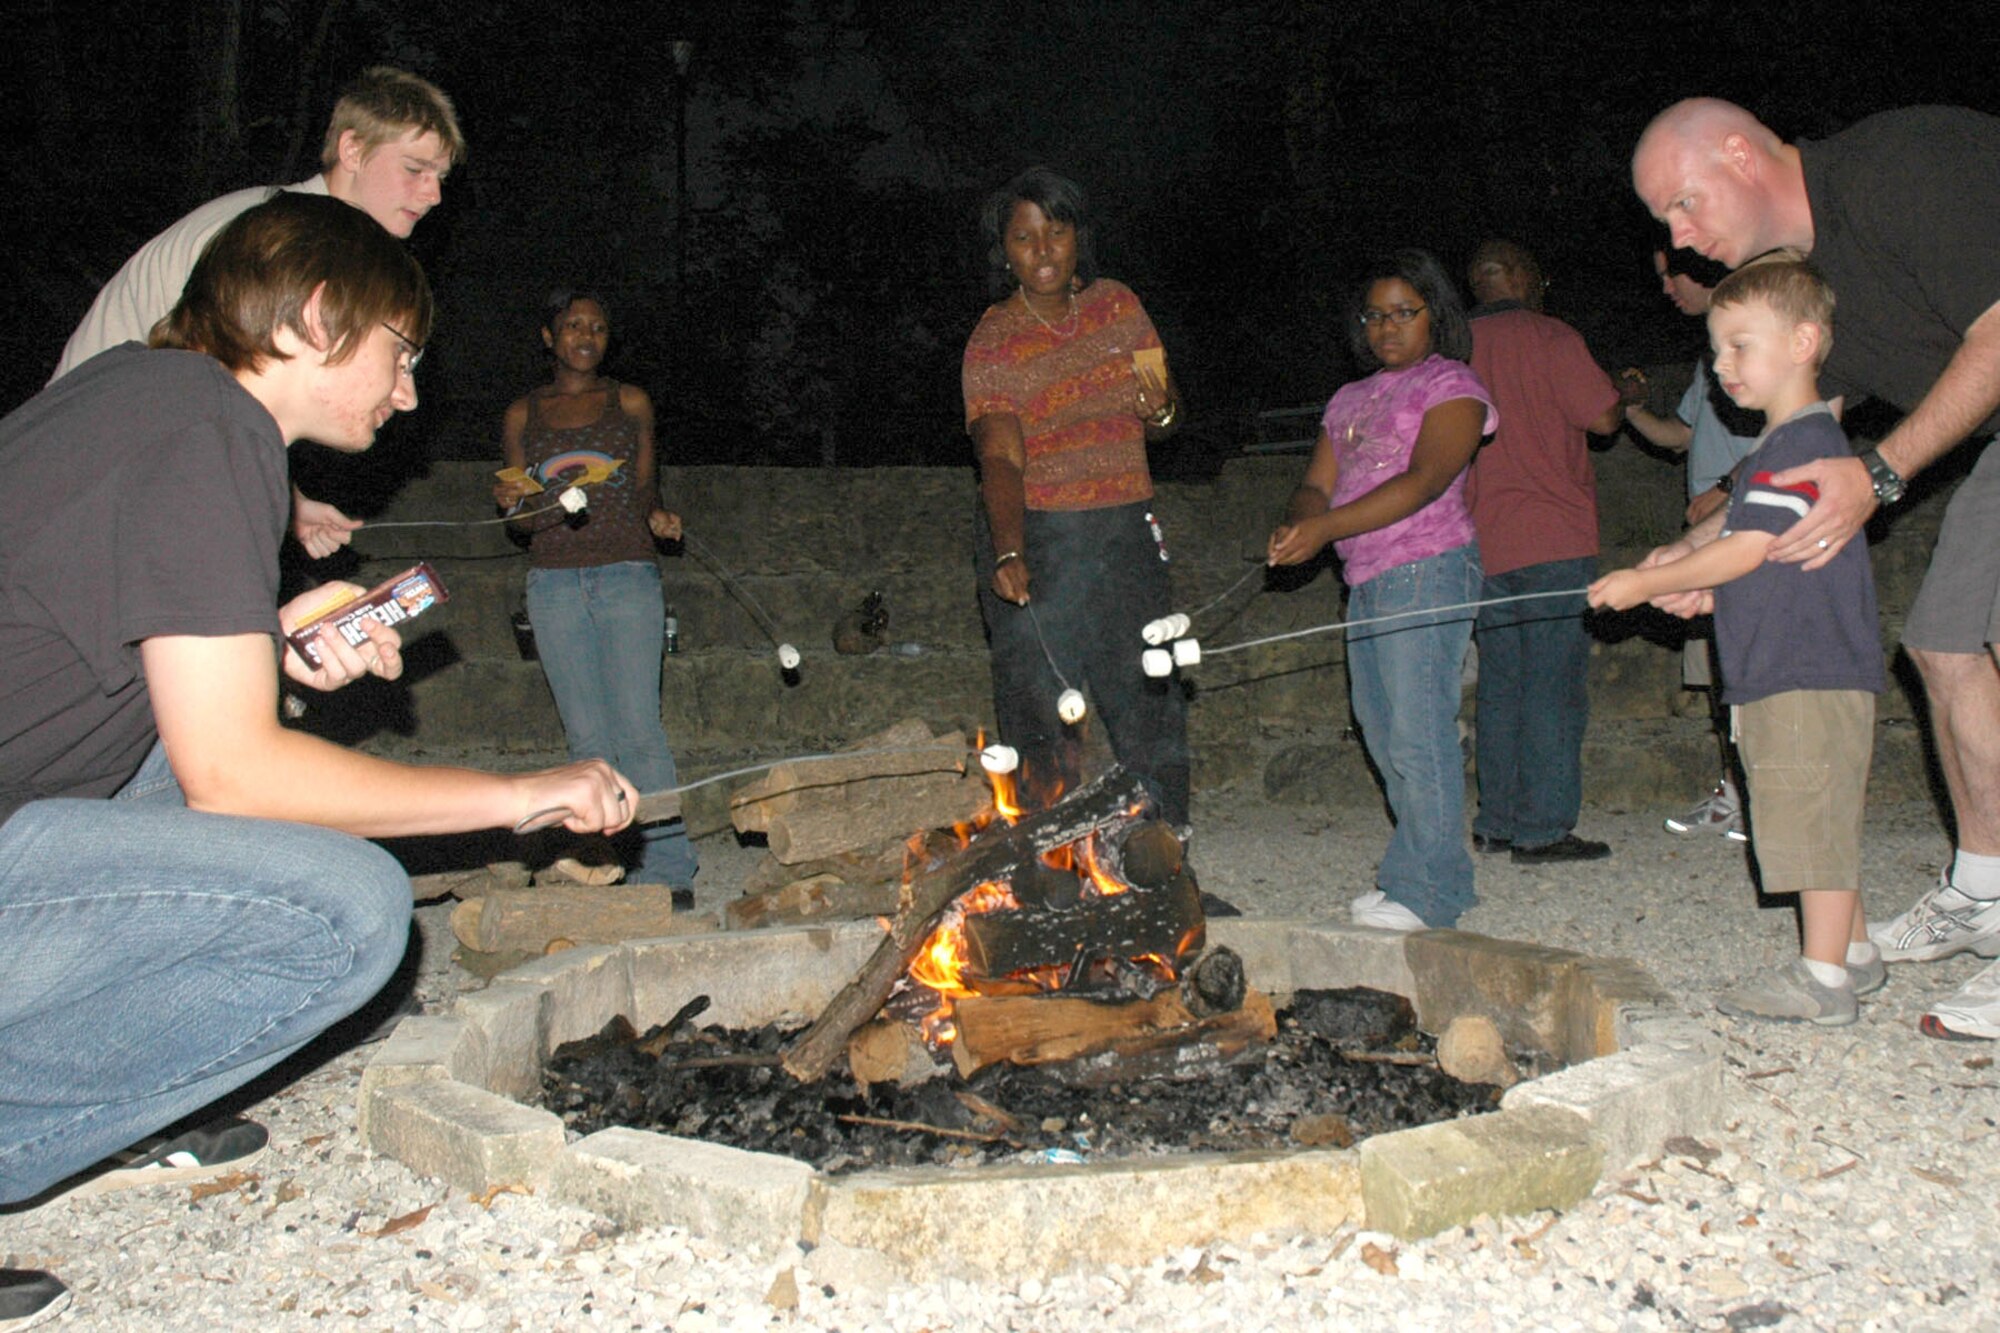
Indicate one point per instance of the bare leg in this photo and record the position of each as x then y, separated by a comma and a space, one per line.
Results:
1832, 919
1964, 694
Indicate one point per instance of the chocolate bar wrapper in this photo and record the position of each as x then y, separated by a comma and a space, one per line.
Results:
404, 597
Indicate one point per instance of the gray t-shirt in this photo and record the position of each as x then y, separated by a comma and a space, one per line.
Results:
147, 495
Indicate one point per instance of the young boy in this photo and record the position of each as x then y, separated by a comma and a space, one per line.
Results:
1801, 660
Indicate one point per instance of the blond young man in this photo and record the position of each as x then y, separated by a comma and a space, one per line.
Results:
391, 141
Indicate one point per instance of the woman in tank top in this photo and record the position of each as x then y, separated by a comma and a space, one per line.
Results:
593, 588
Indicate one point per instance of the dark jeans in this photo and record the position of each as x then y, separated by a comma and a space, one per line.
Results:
1533, 661
1096, 577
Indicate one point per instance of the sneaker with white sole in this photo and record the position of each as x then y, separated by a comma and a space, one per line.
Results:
1941, 923
29, 1297
1376, 908
1721, 811
1970, 1013
1868, 977
201, 1153
1792, 994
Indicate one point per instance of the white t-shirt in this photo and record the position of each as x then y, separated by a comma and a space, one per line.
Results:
150, 282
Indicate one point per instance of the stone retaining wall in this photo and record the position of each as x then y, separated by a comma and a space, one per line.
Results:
808, 543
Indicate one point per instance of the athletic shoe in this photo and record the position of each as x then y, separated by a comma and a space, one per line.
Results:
1482, 843
1568, 847
1721, 811
201, 1153
1941, 923
1792, 995
1868, 977
29, 1296
1972, 1012
1376, 908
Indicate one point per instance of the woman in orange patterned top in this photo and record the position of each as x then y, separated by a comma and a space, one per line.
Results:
1064, 384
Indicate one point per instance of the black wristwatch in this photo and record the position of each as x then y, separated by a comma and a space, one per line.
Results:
1888, 486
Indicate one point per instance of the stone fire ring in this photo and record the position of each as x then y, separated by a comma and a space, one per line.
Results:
441, 1096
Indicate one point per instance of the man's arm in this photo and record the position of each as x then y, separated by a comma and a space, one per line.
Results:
215, 701
1964, 395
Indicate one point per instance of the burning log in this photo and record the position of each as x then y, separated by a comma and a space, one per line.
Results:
1041, 1030
1166, 922
995, 854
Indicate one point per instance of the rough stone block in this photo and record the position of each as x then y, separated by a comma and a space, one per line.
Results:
472, 1138
588, 987
1011, 1222
1525, 989
751, 977
512, 1021
1420, 1181
1607, 988
1329, 956
1633, 1100
423, 1048
754, 1201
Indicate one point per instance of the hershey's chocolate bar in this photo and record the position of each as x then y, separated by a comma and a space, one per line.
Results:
390, 602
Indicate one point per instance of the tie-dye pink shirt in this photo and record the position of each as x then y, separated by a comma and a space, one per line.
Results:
1373, 426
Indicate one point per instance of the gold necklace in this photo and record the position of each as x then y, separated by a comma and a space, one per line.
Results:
1053, 330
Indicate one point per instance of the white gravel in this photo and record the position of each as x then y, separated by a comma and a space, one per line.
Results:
1851, 1185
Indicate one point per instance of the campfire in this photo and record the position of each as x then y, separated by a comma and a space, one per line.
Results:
1070, 935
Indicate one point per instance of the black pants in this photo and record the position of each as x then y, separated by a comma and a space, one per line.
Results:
1097, 576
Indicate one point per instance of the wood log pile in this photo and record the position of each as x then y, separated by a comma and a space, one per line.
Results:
840, 830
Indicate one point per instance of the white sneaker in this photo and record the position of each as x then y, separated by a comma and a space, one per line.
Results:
1376, 908
1721, 811
1941, 923
1973, 1010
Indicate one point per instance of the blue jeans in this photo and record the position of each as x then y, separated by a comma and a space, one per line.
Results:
1404, 678
157, 958
599, 632
1534, 661
1098, 575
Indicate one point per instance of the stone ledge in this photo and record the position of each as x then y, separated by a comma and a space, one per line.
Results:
1419, 1181
754, 1201
1545, 1148
469, 1137
1011, 1220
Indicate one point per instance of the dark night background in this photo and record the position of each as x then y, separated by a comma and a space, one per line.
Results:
806, 303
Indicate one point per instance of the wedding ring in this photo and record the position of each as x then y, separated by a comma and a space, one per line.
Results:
1824, 543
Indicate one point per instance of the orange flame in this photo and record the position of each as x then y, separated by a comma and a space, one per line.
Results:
940, 963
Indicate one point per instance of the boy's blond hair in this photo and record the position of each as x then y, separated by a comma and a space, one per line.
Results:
386, 103
1788, 283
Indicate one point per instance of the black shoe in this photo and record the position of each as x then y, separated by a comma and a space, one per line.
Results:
28, 1296
202, 1153
1482, 843
1568, 847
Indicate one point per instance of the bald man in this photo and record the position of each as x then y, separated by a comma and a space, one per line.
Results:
1898, 212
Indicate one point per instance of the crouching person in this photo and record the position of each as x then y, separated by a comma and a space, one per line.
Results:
185, 894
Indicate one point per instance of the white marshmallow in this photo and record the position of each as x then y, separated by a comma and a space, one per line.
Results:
573, 500
788, 657
1187, 652
1155, 632
1070, 706
999, 759
1157, 662
1178, 624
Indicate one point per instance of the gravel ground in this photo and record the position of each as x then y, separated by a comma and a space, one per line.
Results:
1851, 1184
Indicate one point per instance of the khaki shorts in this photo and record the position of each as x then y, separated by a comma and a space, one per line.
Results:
1806, 755
1698, 656
1957, 609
